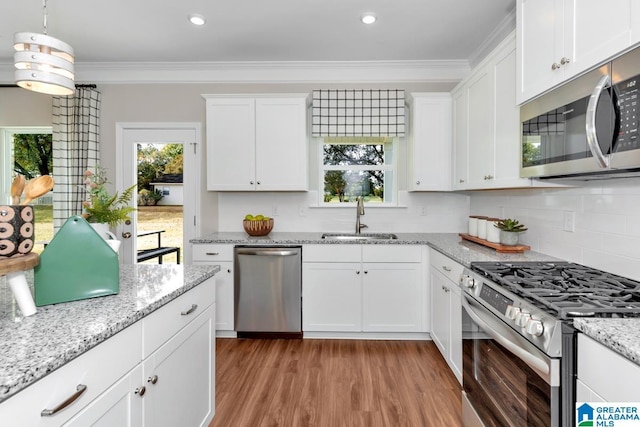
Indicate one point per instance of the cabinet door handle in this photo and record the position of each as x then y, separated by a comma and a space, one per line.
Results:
140, 391
153, 379
461, 181
251, 182
357, 272
417, 182
564, 61
555, 66
445, 268
81, 388
366, 272
191, 310
229, 270
213, 253
258, 182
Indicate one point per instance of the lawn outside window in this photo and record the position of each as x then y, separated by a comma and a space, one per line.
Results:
358, 166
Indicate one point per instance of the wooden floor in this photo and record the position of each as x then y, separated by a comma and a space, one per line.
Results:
333, 383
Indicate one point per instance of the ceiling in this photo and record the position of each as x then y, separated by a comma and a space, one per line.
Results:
260, 30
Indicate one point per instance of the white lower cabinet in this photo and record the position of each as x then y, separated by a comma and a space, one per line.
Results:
157, 372
120, 405
446, 310
362, 288
221, 255
604, 375
331, 297
179, 377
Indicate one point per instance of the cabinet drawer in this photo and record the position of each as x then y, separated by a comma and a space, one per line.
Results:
97, 369
209, 253
165, 322
451, 269
391, 253
332, 253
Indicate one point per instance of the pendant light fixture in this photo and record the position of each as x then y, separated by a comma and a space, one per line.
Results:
43, 63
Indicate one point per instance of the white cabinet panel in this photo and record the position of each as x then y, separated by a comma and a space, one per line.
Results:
221, 255
559, 39
460, 138
281, 144
257, 143
430, 148
392, 297
120, 405
382, 289
446, 310
601, 370
231, 141
487, 124
180, 377
331, 297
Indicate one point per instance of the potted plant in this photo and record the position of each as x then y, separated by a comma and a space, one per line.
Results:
509, 231
102, 207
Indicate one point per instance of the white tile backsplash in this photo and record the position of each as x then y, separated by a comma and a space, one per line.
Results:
443, 213
607, 221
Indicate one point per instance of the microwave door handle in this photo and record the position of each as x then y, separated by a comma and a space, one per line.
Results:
533, 362
592, 138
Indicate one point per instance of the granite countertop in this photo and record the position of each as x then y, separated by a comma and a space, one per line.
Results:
620, 335
450, 244
31, 347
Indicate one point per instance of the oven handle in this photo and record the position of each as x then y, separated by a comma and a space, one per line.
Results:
532, 361
592, 138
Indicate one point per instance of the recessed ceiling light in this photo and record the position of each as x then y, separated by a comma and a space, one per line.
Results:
196, 19
368, 18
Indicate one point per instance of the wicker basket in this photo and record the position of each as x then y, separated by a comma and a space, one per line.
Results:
258, 228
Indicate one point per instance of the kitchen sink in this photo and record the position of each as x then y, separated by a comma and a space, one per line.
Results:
362, 236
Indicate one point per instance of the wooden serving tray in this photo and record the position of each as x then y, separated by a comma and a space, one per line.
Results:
516, 249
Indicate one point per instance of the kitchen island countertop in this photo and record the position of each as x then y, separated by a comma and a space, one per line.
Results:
34, 346
620, 335
450, 244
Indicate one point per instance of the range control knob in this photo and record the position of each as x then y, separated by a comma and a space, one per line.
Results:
467, 281
512, 312
534, 327
522, 318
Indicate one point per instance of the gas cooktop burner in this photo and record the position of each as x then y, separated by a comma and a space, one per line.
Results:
566, 289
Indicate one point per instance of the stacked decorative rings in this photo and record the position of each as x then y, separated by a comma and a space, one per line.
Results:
16, 230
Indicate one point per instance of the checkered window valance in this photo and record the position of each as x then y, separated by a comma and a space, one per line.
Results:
357, 113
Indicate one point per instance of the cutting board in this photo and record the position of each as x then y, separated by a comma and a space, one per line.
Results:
77, 264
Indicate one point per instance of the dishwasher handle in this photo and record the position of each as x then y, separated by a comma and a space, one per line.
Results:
260, 252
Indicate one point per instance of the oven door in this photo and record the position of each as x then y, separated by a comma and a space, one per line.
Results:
506, 380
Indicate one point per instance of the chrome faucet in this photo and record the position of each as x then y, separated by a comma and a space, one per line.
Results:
359, 213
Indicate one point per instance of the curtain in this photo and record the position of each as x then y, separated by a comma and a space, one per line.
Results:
371, 112
76, 132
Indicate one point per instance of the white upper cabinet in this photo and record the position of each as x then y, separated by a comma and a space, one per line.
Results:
559, 39
257, 143
430, 147
486, 124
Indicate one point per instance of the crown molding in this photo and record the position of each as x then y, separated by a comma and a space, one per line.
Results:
264, 72
504, 28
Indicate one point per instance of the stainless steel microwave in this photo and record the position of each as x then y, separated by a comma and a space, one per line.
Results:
586, 128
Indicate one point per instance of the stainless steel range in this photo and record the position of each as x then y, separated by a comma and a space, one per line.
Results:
519, 369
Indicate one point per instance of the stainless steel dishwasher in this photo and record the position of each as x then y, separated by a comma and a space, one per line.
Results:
268, 291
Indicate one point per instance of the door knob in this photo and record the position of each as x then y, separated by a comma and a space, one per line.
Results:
126, 235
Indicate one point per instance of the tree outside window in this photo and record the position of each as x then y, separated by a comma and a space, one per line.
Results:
363, 167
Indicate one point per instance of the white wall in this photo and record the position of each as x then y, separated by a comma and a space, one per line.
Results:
607, 221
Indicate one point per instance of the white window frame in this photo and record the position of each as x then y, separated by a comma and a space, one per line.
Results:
392, 167
6, 155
